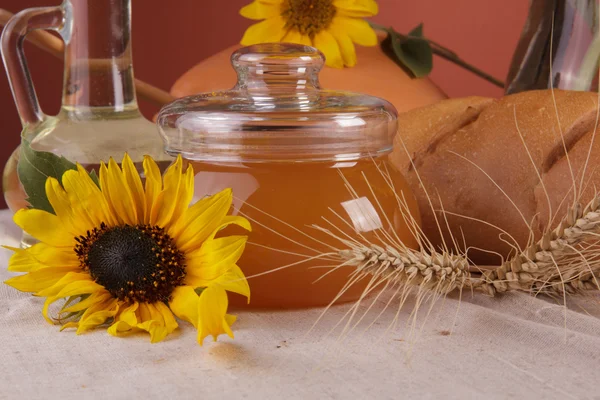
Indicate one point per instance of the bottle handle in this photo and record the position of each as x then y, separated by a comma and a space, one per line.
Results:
13, 55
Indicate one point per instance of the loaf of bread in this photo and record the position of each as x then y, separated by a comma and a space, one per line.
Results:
503, 170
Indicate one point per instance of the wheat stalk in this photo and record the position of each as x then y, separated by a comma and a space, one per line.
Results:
564, 260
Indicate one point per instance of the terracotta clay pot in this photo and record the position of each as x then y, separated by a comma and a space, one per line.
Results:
375, 74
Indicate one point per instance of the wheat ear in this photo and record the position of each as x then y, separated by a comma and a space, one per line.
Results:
565, 259
430, 271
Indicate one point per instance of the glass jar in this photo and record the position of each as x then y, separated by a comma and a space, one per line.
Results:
99, 116
295, 156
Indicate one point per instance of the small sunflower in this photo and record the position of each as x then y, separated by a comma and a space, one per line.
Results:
332, 26
131, 256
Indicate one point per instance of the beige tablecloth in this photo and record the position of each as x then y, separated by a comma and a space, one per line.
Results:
514, 346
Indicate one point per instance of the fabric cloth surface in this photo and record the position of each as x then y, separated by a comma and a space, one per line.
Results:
513, 346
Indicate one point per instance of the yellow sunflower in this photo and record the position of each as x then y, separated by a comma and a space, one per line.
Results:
130, 256
332, 26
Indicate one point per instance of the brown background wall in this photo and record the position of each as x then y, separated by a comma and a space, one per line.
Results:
171, 36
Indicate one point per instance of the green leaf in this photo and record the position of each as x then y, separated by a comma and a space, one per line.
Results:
412, 52
94, 177
199, 290
35, 167
417, 32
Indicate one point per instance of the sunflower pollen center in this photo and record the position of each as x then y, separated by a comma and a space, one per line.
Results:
309, 17
135, 263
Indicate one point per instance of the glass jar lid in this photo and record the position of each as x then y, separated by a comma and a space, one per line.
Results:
278, 112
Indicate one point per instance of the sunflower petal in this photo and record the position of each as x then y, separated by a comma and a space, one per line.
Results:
71, 284
206, 312
23, 260
63, 209
260, 10
97, 314
293, 36
128, 315
37, 281
69, 325
120, 195
215, 257
45, 227
134, 182
98, 297
103, 178
359, 30
234, 281
184, 304
325, 42
269, 30
153, 185
184, 197
41, 255
88, 203
356, 8
200, 220
230, 319
49, 301
73, 222
51, 292
91, 199
166, 202
125, 321
170, 322
231, 220
156, 319
212, 308
346, 46
146, 315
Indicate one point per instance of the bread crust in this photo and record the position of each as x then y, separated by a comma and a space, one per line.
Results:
454, 144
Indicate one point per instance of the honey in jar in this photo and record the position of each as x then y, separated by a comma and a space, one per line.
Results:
300, 160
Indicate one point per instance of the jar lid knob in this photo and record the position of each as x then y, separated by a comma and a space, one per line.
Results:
277, 63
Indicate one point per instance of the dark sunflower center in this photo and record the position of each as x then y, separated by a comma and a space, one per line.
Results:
308, 16
135, 263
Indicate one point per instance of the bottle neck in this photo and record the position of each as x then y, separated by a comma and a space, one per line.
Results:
98, 59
